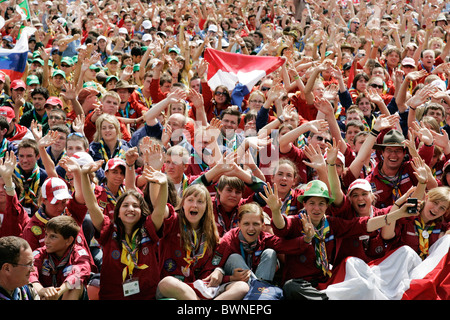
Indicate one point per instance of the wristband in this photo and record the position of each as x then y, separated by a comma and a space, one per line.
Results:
9, 189
413, 109
331, 164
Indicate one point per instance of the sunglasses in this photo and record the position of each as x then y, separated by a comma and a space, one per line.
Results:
220, 93
320, 139
265, 88
373, 85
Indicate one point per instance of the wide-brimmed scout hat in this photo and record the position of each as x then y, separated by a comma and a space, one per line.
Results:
393, 138
316, 188
122, 84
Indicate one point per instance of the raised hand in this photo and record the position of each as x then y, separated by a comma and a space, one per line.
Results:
271, 197
8, 165
154, 176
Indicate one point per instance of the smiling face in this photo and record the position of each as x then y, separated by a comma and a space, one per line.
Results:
108, 131
393, 157
361, 201
130, 211
251, 226
437, 204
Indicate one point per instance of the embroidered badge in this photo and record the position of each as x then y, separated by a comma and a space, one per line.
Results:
37, 231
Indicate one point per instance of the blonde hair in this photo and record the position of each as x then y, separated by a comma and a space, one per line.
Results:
108, 118
440, 194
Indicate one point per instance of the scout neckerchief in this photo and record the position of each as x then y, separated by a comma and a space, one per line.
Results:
320, 248
147, 102
31, 185
231, 143
247, 249
111, 197
61, 265
393, 183
286, 207
117, 152
234, 219
3, 148
129, 257
199, 160
197, 251
36, 117
127, 111
22, 293
424, 232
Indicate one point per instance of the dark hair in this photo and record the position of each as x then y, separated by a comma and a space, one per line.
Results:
42, 91
359, 76
64, 225
145, 212
29, 143
10, 248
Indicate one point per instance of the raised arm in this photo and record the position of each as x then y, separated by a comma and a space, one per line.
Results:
158, 195
94, 209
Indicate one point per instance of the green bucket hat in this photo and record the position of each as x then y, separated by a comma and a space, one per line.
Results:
315, 188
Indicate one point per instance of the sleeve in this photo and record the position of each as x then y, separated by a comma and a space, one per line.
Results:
81, 268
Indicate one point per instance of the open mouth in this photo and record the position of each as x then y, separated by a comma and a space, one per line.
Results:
193, 212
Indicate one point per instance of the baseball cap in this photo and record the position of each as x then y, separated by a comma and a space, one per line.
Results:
82, 158
2, 77
86, 92
54, 101
147, 37
175, 49
8, 113
359, 184
147, 24
123, 30
315, 188
32, 79
212, 28
59, 72
114, 163
408, 62
101, 38
18, 84
340, 157
112, 58
55, 189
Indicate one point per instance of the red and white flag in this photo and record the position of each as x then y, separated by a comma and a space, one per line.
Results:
238, 70
400, 275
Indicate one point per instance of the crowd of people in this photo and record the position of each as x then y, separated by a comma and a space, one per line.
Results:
124, 175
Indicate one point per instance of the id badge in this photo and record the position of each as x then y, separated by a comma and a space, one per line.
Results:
130, 287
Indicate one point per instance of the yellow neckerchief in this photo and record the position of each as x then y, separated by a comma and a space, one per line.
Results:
423, 229
129, 255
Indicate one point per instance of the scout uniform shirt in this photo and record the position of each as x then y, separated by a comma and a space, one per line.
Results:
121, 265
74, 268
175, 261
230, 243
366, 247
307, 265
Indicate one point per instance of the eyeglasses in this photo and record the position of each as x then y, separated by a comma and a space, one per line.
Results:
320, 139
219, 93
29, 265
377, 86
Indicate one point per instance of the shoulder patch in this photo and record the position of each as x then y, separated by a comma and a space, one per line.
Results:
37, 231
